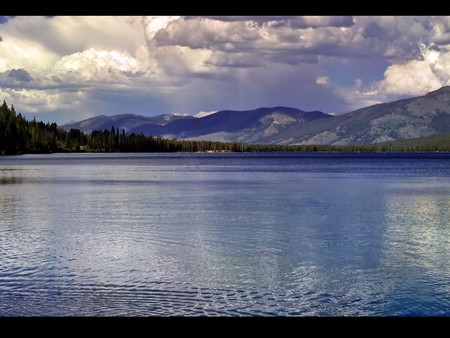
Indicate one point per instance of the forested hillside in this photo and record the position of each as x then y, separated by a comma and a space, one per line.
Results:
19, 136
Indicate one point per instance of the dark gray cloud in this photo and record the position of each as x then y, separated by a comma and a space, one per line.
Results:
16, 79
438, 48
243, 60
374, 30
393, 37
56, 79
293, 59
20, 75
132, 74
204, 34
326, 36
290, 21
257, 19
315, 22
22, 79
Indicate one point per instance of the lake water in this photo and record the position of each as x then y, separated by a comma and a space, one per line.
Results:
225, 235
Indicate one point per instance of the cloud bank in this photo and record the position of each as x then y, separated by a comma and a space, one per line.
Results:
69, 68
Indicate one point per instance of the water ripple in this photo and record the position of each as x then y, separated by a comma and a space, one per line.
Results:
251, 235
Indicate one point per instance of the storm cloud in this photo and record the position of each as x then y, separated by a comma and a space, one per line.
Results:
20, 75
69, 68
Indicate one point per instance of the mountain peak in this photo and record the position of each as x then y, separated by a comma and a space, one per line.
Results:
440, 91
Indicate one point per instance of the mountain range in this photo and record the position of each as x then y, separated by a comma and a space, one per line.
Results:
407, 118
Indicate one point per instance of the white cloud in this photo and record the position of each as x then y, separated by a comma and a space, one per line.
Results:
63, 35
32, 100
97, 65
322, 80
22, 53
153, 24
412, 78
440, 64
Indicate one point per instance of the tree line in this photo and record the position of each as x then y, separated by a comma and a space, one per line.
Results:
20, 136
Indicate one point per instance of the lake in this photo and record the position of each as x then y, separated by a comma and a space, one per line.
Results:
282, 234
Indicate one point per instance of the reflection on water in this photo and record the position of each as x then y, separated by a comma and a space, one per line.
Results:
9, 176
121, 234
417, 246
422, 211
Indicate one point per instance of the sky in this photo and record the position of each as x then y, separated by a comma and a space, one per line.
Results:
69, 68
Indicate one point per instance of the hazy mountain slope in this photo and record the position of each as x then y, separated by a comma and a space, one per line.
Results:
414, 117
240, 125
123, 121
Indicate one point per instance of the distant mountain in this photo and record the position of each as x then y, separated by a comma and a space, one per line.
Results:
124, 121
402, 119
262, 125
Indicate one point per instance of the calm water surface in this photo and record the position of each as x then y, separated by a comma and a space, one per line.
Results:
225, 234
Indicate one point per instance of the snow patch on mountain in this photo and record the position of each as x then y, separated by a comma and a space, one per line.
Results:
205, 113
